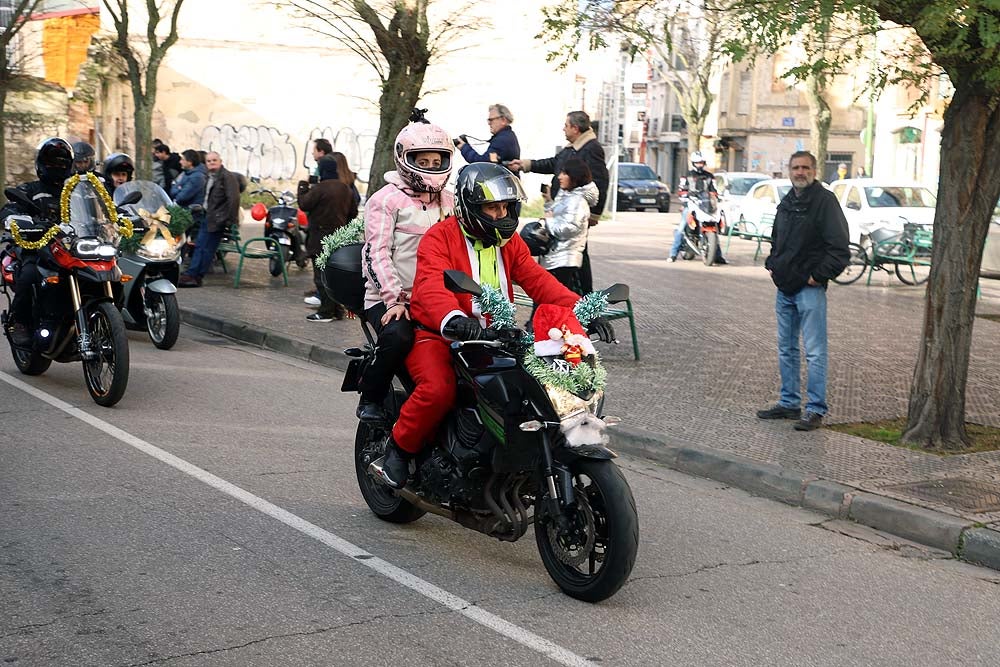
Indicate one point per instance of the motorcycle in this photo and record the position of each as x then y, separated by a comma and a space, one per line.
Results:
283, 223
502, 462
149, 300
702, 226
81, 281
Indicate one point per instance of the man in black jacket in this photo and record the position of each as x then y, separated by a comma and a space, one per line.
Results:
584, 145
222, 210
808, 248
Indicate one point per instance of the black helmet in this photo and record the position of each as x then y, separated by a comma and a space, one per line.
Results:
54, 161
480, 183
118, 162
83, 157
536, 236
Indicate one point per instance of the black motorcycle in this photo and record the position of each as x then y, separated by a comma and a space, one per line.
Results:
502, 463
283, 224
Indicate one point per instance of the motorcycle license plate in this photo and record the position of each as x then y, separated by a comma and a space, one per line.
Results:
647, 201
284, 240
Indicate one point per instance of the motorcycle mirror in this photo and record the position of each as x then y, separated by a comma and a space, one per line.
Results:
617, 293
461, 283
15, 195
255, 179
131, 198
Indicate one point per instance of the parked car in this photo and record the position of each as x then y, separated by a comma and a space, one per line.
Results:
872, 204
732, 187
760, 203
639, 187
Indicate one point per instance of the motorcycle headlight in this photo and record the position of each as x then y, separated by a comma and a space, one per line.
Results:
94, 249
158, 248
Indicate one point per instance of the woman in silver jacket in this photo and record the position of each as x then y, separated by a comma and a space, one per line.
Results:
566, 219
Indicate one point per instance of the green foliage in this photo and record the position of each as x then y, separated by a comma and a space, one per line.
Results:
352, 232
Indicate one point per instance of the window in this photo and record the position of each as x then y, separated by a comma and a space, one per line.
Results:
892, 197
740, 185
838, 191
854, 197
635, 172
764, 193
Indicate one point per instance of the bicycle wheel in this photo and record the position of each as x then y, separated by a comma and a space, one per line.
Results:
915, 273
856, 267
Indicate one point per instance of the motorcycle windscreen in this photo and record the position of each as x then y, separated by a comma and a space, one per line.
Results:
87, 215
153, 196
708, 203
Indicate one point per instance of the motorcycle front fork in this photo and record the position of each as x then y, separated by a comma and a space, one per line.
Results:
82, 330
558, 481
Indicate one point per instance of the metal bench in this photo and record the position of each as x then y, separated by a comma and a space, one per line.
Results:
611, 312
268, 250
230, 243
759, 231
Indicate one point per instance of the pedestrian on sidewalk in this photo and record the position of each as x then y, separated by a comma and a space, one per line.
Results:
396, 218
583, 144
222, 211
330, 205
566, 219
808, 248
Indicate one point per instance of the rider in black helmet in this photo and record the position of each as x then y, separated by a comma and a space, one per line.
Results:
53, 165
118, 170
487, 183
84, 159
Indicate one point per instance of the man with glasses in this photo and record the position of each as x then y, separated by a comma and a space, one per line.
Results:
503, 146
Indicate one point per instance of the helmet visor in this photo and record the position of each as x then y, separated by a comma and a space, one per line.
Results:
429, 161
502, 187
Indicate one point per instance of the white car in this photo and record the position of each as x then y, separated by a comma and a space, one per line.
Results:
870, 203
732, 187
760, 204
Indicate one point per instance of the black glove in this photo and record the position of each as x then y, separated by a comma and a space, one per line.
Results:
463, 328
600, 326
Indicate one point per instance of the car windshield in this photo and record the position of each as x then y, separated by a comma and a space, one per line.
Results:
87, 216
740, 185
783, 190
635, 172
896, 196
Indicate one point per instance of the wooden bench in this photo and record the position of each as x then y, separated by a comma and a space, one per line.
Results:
614, 312
753, 231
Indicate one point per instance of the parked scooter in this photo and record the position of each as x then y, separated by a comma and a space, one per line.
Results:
284, 223
703, 223
149, 301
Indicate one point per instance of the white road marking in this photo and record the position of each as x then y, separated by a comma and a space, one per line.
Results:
465, 608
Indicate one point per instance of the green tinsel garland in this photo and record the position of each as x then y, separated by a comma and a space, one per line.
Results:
575, 379
500, 310
590, 307
352, 232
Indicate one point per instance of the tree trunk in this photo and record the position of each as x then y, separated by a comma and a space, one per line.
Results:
400, 93
3, 143
820, 120
143, 157
968, 190
694, 132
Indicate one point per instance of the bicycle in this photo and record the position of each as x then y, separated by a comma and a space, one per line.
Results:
907, 252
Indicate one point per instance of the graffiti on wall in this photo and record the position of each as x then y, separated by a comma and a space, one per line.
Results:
255, 151
357, 147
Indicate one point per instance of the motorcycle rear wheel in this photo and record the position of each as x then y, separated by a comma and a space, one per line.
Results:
107, 374
369, 444
604, 519
29, 362
164, 324
710, 245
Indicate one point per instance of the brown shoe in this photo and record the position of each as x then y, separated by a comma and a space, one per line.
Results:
188, 281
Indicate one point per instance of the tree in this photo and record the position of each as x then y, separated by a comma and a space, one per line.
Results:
143, 62
687, 36
962, 39
393, 36
12, 21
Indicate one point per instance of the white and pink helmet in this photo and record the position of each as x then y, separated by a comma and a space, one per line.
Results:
418, 138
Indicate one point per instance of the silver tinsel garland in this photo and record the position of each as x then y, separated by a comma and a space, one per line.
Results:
590, 307
352, 232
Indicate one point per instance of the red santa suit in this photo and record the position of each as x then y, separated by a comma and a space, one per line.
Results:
444, 247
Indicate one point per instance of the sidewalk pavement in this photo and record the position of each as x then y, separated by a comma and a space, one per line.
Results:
709, 361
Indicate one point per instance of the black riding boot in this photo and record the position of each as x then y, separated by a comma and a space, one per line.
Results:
396, 468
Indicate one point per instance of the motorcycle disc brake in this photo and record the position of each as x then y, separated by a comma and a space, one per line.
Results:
566, 546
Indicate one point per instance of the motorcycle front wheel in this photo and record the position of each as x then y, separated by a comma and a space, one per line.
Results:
592, 556
710, 246
163, 321
107, 373
369, 445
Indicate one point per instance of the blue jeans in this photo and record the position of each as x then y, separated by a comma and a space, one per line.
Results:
805, 312
204, 251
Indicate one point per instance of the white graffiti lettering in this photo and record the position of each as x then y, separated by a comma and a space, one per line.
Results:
357, 147
255, 151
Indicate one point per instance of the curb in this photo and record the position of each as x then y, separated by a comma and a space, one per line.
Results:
962, 538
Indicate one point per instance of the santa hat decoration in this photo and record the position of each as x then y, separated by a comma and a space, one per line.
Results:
557, 332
